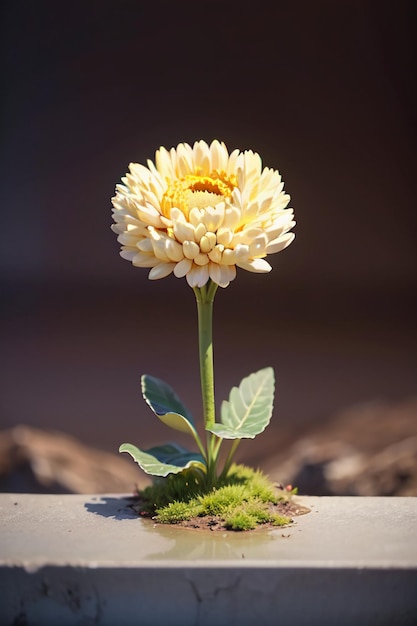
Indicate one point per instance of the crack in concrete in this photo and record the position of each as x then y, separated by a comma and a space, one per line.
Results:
205, 597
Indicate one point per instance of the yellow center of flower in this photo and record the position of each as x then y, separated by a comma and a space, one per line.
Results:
197, 191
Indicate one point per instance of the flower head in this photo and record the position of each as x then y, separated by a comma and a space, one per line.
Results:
200, 212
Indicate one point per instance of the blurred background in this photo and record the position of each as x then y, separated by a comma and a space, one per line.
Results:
325, 92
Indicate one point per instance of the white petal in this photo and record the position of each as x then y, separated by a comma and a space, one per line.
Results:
282, 200
174, 250
224, 236
259, 266
257, 247
237, 199
198, 276
177, 216
163, 163
215, 273
242, 252
145, 245
150, 216
183, 267
119, 229
134, 230
246, 236
278, 228
196, 216
183, 231
222, 274
279, 244
231, 218
199, 231
140, 173
160, 252
207, 242
230, 272
228, 257
141, 259
201, 259
184, 160
232, 162
219, 156
202, 161
158, 180
127, 240
151, 199
161, 270
249, 213
216, 254
129, 255
190, 249
213, 216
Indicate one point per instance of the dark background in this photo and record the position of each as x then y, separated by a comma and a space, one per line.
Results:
324, 91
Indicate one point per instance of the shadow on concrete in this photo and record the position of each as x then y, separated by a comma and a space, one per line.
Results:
115, 507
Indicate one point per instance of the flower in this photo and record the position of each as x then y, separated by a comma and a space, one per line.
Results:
200, 212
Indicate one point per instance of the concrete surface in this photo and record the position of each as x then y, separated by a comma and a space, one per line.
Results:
79, 559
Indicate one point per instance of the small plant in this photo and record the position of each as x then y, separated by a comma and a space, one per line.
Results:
245, 499
199, 212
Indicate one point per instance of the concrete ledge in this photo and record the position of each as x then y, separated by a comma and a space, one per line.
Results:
88, 560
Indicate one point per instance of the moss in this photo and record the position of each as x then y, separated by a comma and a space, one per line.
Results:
253, 512
175, 512
220, 500
242, 501
258, 484
280, 520
175, 487
240, 521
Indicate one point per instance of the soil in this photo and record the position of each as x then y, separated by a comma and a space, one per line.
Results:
286, 508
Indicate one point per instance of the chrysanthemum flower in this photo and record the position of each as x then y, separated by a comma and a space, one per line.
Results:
200, 213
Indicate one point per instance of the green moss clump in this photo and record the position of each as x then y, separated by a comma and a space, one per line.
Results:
220, 500
279, 520
240, 520
174, 488
259, 485
175, 512
242, 501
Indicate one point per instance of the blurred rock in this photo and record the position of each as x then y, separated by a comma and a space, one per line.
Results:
369, 450
37, 461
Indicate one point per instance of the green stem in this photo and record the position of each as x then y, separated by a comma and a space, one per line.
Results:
229, 459
205, 298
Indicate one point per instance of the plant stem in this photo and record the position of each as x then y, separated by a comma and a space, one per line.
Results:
205, 298
228, 461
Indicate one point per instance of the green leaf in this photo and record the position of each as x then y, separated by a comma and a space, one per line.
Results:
166, 405
163, 460
249, 408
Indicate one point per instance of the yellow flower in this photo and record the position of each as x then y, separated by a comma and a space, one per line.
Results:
200, 213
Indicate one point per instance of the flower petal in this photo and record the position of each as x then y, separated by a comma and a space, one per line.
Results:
174, 250
183, 231
190, 249
164, 164
141, 259
198, 276
222, 275
182, 268
219, 156
259, 266
129, 255
280, 244
201, 153
161, 270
